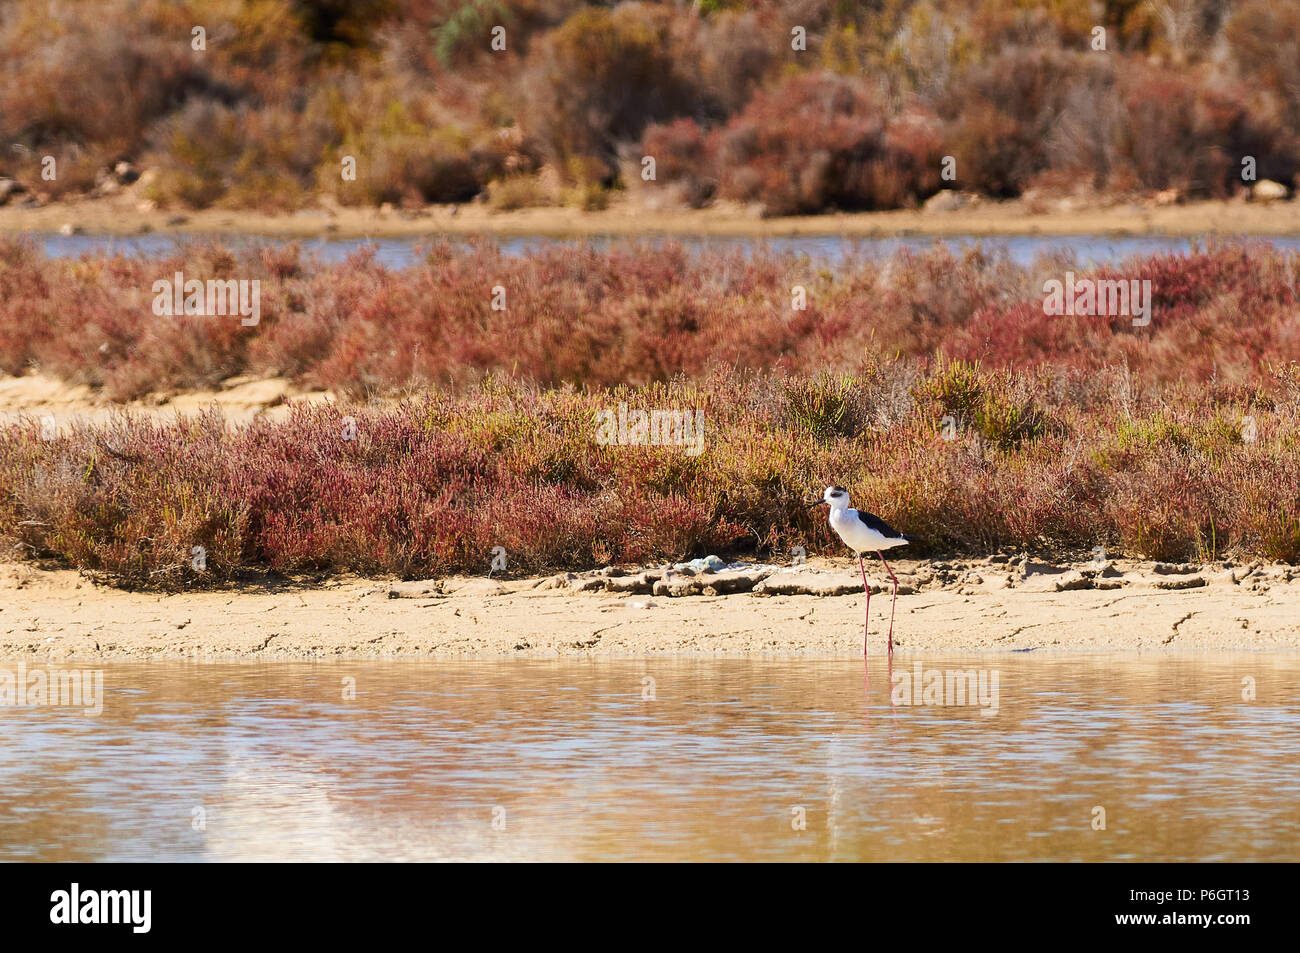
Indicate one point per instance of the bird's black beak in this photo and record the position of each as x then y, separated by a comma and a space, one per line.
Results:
818, 503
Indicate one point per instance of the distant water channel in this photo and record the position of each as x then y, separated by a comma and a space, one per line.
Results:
405, 252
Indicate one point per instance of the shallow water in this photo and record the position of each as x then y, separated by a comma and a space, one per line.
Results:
405, 252
535, 760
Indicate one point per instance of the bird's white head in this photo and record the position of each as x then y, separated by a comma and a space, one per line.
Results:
836, 497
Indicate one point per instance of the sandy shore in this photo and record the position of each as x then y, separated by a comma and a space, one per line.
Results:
239, 399
943, 608
123, 215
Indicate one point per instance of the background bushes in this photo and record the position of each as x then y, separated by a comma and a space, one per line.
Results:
1015, 93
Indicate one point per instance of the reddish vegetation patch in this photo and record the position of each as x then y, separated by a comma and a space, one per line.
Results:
629, 315
1038, 461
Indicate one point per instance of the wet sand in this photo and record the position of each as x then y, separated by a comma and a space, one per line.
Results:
816, 609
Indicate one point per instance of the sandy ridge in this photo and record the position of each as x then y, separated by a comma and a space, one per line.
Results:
1067, 216
945, 607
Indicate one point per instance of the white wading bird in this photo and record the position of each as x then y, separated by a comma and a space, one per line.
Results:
863, 533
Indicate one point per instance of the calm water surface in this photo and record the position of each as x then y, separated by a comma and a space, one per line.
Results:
252, 762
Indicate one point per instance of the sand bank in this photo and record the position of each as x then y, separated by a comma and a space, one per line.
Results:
239, 399
945, 607
121, 216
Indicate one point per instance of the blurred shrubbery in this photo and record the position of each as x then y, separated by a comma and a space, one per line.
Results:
817, 141
412, 89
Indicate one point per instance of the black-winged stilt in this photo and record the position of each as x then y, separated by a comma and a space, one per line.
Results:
863, 533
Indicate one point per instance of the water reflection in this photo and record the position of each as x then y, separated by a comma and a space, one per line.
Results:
252, 762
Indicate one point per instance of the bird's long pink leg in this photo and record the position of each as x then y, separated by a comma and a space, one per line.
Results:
892, 604
866, 625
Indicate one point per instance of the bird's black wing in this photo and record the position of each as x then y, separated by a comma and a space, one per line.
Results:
880, 526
